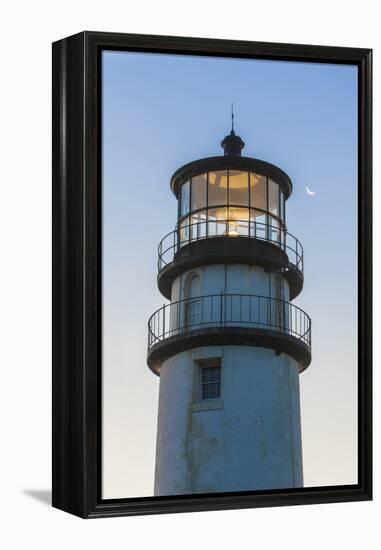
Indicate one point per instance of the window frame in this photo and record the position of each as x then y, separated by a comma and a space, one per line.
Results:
205, 384
201, 403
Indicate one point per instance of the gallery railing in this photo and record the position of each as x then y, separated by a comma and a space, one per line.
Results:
186, 234
228, 310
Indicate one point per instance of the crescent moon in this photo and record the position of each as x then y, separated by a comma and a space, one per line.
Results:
310, 192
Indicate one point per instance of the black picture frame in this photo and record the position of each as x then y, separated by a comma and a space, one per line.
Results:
77, 277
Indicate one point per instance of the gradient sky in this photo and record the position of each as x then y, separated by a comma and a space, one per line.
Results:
161, 111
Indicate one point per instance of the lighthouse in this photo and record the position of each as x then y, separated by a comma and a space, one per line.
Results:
230, 344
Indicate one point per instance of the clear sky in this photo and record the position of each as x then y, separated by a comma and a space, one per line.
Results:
161, 111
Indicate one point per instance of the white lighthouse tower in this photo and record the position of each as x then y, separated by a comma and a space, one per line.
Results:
230, 345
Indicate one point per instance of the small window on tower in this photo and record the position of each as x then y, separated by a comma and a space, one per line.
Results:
210, 381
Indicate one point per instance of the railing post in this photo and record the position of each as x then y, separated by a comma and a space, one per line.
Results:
163, 321
221, 308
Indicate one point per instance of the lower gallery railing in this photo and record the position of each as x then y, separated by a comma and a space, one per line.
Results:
228, 310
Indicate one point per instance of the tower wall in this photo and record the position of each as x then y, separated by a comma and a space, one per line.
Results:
231, 278
230, 345
249, 439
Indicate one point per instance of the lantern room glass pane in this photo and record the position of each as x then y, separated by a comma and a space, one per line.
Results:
238, 221
274, 231
282, 205
258, 224
238, 188
217, 188
198, 195
217, 221
198, 225
185, 196
184, 231
273, 198
258, 191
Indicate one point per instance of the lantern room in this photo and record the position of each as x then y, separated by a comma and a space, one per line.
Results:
231, 202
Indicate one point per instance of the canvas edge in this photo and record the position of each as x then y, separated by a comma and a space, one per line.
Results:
76, 272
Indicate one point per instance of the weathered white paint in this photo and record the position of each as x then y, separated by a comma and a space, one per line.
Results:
248, 440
